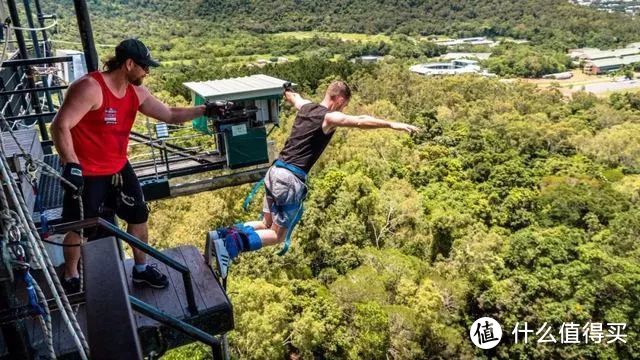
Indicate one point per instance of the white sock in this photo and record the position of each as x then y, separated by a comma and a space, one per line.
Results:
141, 267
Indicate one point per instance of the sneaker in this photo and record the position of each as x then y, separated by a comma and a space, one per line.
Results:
71, 286
209, 254
219, 233
222, 258
151, 277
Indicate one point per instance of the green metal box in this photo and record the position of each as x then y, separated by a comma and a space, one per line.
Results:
245, 146
243, 143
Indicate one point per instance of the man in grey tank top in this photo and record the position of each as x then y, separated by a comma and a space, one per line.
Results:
285, 181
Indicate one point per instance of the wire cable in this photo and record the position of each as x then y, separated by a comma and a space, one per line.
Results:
37, 250
35, 29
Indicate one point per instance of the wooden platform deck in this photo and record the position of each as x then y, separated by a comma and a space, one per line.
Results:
215, 312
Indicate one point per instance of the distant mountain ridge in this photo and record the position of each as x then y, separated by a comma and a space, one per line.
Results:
555, 22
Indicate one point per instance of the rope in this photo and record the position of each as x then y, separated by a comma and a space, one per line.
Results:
79, 43
44, 318
20, 85
9, 224
20, 206
45, 321
39, 252
6, 44
48, 170
43, 259
4, 121
55, 22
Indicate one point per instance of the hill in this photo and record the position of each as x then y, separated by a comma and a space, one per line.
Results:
554, 22
513, 202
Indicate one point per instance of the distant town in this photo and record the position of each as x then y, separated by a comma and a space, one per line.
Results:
631, 7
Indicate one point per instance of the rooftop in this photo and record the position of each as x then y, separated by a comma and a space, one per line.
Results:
467, 55
608, 62
237, 86
631, 59
595, 54
452, 68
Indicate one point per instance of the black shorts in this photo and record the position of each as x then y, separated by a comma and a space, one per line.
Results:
107, 196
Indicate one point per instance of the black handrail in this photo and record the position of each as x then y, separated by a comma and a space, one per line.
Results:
188, 329
22, 91
36, 61
31, 116
138, 137
138, 244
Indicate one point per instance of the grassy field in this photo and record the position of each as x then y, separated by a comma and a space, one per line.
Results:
601, 85
343, 36
234, 59
579, 78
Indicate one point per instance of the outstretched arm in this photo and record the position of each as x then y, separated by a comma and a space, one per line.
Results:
337, 119
295, 99
154, 108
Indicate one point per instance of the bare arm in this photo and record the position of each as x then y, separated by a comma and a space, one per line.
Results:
337, 119
295, 99
82, 96
154, 108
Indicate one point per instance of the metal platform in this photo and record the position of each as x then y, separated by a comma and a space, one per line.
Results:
154, 176
214, 316
215, 311
179, 166
50, 189
29, 141
49, 199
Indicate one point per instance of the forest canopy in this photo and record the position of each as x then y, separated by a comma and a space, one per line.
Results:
513, 202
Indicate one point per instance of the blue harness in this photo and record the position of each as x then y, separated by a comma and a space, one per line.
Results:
33, 297
298, 206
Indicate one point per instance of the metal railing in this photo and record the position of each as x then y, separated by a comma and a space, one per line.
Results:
188, 329
138, 244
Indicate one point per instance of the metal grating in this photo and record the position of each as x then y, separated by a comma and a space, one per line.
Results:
50, 190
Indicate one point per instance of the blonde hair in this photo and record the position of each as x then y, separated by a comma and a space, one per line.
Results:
339, 88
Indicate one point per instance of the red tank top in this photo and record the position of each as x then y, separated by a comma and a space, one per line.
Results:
101, 137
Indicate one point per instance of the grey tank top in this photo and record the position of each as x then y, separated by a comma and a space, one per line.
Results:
307, 140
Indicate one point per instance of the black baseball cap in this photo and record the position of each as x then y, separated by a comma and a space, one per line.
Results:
134, 49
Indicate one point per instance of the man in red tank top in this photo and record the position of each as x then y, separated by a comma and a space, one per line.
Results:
91, 133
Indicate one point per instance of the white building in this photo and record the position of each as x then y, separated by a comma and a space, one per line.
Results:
465, 55
597, 54
368, 59
559, 76
460, 66
468, 41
